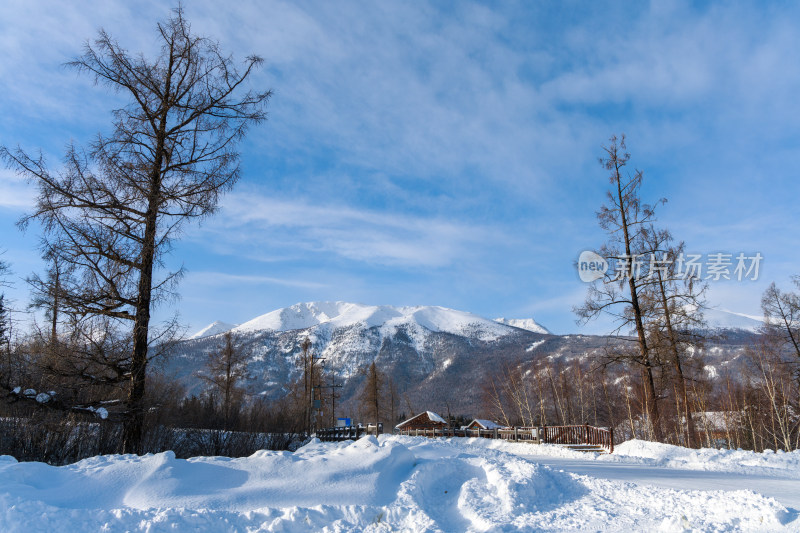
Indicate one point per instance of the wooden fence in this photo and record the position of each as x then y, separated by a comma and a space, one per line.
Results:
348, 432
565, 435
576, 435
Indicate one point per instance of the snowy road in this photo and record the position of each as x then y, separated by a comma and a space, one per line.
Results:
409, 484
785, 490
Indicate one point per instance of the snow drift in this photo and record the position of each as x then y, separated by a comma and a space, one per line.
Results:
386, 484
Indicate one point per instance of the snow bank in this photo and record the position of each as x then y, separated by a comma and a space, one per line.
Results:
768, 463
391, 483
738, 461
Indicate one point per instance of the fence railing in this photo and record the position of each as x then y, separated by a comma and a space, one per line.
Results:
575, 435
341, 433
565, 435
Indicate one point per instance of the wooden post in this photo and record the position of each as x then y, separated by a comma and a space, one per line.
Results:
516, 434
611, 432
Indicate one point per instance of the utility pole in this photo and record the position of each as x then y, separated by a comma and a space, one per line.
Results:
333, 386
306, 389
309, 361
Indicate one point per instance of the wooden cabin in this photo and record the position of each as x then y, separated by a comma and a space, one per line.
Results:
480, 423
424, 420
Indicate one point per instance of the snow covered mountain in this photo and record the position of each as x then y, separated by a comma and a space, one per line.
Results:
524, 323
425, 349
334, 315
437, 358
329, 316
214, 328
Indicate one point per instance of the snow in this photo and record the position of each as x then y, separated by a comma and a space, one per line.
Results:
100, 412
487, 424
43, 397
524, 323
408, 484
534, 345
388, 318
214, 328
786, 464
435, 418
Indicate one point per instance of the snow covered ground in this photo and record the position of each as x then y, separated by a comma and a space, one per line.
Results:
410, 484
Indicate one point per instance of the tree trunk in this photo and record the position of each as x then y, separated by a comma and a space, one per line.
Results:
56, 303
134, 423
676, 361
649, 384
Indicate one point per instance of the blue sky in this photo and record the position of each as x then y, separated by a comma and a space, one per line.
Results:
446, 153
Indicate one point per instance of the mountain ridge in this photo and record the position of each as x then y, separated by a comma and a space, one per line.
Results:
306, 315
436, 357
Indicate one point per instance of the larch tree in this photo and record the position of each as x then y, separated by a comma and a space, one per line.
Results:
5, 324
4, 330
112, 210
620, 293
782, 315
225, 371
782, 321
677, 301
46, 292
372, 394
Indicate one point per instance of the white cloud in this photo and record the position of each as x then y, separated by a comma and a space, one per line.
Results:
15, 192
222, 279
250, 219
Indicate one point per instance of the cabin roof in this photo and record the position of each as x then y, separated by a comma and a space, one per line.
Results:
430, 415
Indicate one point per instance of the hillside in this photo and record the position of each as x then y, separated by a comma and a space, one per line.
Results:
438, 358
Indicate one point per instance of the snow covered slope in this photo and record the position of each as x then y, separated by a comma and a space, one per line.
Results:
427, 350
386, 484
341, 315
213, 329
524, 323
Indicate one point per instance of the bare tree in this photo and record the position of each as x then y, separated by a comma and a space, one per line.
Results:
5, 340
625, 219
225, 371
676, 300
393, 400
5, 323
113, 210
372, 394
47, 293
782, 314
311, 365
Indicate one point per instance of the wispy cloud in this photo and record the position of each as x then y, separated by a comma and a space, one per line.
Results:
223, 279
354, 233
406, 138
15, 193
